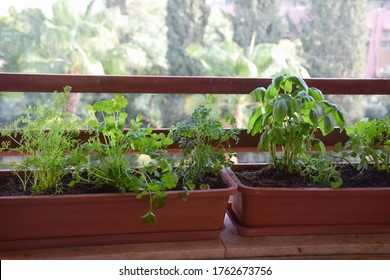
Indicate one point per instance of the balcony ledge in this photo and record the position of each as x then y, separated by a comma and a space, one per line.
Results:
229, 246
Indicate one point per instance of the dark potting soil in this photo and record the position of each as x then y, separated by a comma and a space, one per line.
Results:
272, 177
11, 186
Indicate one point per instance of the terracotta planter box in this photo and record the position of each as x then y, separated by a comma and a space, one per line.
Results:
283, 211
73, 220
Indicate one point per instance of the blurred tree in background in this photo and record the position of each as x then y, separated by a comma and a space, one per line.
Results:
259, 18
121, 4
335, 38
226, 58
69, 42
335, 45
79, 43
186, 21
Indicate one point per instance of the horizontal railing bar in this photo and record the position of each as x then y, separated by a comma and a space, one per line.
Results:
247, 142
22, 82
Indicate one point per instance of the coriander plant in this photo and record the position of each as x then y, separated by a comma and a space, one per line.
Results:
45, 136
321, 169
205, 144
287, 116
130, 160
369, 140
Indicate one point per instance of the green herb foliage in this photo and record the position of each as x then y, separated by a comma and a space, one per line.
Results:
369, 140
321, 169
45, 137
205, 144
287, 116
130, 160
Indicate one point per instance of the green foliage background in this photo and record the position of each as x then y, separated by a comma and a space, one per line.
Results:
187, 37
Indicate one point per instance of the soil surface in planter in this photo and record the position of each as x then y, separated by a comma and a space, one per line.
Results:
271, 177
12, 186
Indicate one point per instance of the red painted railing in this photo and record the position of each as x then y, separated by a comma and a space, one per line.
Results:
12, 82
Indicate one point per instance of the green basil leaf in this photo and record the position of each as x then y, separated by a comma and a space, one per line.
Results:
313, 117
326, 125
276, 81
316, 94
266, 119
271, 92
287, 86
339, 118
299, 82
264, 142
280, 110
256, 115
259, 94
325, 104
276, 136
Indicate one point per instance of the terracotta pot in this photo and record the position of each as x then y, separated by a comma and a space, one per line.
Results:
73, 220
283, 211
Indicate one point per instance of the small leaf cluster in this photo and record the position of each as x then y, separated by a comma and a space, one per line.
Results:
45, 136
322, 170
133, 160
369, 141
204, 143
287, 116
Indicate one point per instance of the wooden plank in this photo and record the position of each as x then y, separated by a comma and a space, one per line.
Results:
17, 82
127, 84
326, 246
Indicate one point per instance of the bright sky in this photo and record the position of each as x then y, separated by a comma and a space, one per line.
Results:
45, 5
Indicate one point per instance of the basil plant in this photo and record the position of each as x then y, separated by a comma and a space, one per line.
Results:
287, 117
